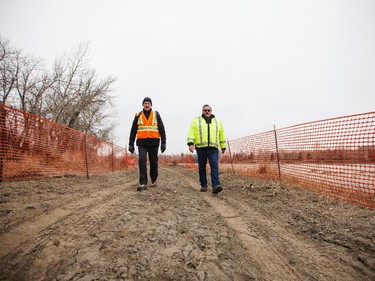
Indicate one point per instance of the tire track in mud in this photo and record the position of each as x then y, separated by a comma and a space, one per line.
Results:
172, 232
296, 252
148, 235
152, 237
270, 264
277, 253
14, 238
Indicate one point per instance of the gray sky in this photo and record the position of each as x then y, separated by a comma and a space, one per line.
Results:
257, 63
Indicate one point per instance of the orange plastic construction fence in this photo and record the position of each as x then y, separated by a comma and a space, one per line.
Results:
34, 147
335, 157
183, 160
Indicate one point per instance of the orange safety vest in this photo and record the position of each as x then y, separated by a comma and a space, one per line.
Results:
147, 128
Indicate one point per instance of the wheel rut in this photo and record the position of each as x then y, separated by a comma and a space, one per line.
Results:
257, 248
14, 238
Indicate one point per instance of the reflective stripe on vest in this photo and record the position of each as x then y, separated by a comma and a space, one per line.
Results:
148, 128
212, 143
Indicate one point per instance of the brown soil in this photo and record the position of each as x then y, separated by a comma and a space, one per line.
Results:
103, 229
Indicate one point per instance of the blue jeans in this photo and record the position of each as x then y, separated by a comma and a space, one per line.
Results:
212, 154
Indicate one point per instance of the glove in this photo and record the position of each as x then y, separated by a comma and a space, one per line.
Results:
162, 147
131, 148
222, 150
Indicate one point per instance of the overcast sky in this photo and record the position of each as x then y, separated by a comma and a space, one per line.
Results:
257, 63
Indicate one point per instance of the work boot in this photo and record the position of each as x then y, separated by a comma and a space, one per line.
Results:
141, 187
217, 189
203, 188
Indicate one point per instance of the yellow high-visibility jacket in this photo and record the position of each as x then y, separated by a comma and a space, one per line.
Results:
203, 134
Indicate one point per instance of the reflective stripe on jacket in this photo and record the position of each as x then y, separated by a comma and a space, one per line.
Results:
203, 134
147, 128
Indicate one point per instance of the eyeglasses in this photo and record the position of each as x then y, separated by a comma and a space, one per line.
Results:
206, 110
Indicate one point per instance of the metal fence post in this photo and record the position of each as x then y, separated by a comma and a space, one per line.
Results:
86, 158
277, 152
113, 168
230, 156
2, 141
126, 158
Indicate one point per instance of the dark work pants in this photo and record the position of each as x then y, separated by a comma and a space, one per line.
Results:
152, 152
212, 155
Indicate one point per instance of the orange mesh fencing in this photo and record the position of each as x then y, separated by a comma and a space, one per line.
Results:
34, 147
183, 160
334, 157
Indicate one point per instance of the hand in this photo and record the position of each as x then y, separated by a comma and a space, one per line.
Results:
223, 150
191, 148
162, 147
131, 149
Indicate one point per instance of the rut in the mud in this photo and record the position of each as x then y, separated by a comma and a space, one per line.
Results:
103, 229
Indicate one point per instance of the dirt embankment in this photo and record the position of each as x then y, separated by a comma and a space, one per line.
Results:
103, 229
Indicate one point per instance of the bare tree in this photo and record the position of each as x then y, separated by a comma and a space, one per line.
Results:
91, 111
9, 69
78, 99
72, 94
67, 73
28, 78
23, 79
35, 101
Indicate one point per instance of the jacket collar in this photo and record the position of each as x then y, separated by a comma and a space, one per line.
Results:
208, 120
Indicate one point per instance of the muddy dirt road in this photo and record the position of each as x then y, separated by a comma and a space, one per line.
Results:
103, 229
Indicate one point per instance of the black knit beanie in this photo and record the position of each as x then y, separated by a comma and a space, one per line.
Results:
147, 99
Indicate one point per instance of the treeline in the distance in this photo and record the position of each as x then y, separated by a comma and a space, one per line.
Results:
69, 92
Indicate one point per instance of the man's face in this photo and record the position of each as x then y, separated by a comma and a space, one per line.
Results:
146, 105
206, 111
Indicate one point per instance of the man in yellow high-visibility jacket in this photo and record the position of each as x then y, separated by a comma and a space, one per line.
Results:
207, 136
148, 129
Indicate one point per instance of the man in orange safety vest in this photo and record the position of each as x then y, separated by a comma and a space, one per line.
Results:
148, 129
